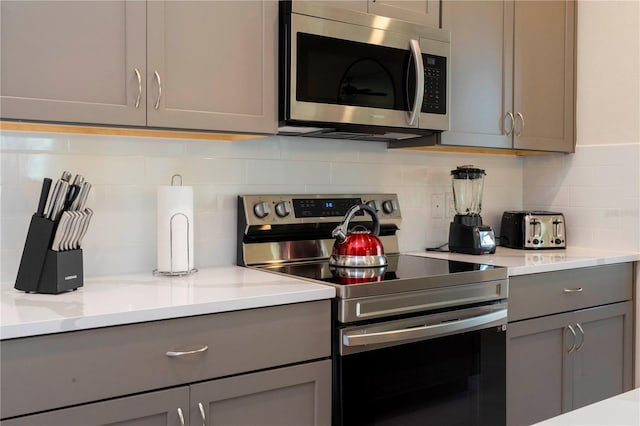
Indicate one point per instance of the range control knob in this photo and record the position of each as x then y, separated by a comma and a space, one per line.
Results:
283, 208
389, 206
374, 204
261, 209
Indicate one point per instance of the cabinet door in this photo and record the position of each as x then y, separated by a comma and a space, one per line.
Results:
537, 368
602, 360
544, 75
357, 5
295, 396
73, 61
212, 65
162, 408
424, 12
481, 84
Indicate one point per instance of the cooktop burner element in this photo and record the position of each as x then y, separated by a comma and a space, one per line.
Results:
291, 235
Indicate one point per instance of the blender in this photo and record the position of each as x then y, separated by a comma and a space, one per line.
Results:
467, 234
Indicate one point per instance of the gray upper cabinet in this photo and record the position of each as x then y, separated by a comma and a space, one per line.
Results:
212, 65
481, 85
73, 61
424, 12
513, 73
186, 65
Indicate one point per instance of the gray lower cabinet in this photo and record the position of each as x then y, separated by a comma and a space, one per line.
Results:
557, 362
297, 396
513, 74
205, 65
258, 366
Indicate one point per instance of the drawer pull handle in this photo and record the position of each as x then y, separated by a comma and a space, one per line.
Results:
183, 353
573, 347
181, 416
573, 290
204, 417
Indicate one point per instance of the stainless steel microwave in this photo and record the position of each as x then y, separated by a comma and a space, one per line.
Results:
346, 74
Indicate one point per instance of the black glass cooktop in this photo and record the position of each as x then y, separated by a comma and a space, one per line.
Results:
403, 273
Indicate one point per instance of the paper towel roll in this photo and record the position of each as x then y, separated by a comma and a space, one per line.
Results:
175, 229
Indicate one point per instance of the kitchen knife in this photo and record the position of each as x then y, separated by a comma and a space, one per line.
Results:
44, 194
61, 232
58, 203
48, 210
66, 176
88, 214
82, 197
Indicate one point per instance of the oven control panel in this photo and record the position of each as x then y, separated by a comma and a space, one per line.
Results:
309, 208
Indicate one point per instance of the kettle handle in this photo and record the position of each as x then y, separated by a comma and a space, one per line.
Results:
341, 231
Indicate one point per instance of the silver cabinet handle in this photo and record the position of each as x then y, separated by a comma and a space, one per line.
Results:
157, 105
573, 290
425, 331
139, 87
183, 353
573, 347
582, 341
521, 117
414, 46
204, 417
512, 120
181, 416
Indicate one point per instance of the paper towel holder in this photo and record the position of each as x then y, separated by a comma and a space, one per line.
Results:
172, 272
174, 216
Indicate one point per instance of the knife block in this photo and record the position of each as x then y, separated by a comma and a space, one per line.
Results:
43, 270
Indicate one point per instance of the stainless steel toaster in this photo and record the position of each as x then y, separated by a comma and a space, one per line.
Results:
533, 230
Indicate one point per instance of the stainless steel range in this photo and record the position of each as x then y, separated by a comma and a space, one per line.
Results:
418, 340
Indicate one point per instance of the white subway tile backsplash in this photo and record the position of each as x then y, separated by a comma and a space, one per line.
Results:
195, 171
598, 190
127, 171
276, 172
8, 169
26, 141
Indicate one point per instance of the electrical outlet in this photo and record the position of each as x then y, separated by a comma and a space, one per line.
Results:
437, 206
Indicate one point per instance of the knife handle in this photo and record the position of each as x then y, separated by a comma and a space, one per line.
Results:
44, 194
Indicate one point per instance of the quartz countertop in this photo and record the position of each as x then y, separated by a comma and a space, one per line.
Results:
623, 409
523, 262
125, 299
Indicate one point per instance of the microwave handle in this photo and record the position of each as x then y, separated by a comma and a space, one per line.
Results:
414, 46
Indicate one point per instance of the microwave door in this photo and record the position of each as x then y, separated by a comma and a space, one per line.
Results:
345, 73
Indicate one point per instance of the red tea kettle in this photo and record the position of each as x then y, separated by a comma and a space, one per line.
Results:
357, 248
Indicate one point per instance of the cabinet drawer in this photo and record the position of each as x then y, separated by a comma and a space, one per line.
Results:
45, 372
553, 292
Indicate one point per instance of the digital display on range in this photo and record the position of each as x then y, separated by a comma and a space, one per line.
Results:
323, 207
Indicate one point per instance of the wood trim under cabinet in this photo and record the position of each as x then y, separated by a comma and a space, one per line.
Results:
474, 150
119, 131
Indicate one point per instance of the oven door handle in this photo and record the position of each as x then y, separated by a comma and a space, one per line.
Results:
427, 331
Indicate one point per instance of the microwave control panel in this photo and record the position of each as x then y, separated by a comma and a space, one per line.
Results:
435, 84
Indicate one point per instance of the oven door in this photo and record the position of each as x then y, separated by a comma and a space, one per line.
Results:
354, 74
441, 369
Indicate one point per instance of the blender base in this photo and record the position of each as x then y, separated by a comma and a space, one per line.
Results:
468, 235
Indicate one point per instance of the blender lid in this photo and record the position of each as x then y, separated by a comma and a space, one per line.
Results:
468, 172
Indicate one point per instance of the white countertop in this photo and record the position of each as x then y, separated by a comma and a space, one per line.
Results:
623, 409
522, 262
116, 300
